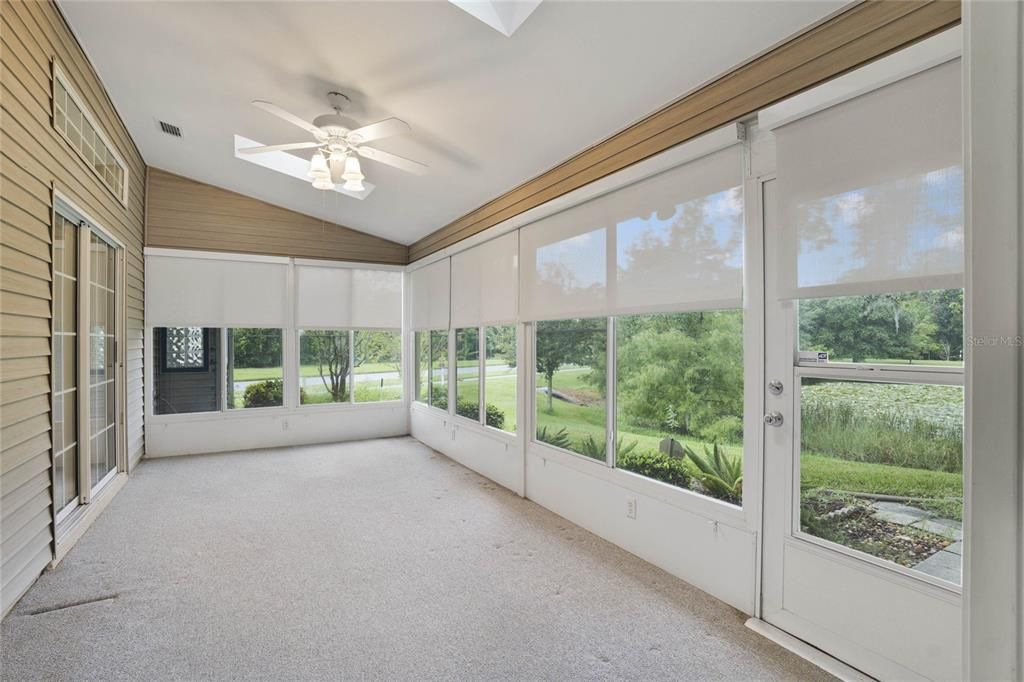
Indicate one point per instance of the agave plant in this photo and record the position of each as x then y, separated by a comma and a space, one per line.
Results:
720, 474
591, 447
559, 438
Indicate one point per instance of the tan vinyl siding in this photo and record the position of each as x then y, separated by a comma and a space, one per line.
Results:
186, 214
35, 158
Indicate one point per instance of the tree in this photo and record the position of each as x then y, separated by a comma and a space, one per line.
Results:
947, 310
564, 342
329, 351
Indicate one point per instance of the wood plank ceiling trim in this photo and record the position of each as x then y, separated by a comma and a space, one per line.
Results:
863, 33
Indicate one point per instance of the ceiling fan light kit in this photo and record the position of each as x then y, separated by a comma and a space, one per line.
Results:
339, 142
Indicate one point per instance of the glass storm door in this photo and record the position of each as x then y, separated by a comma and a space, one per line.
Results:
863, 477
86, 372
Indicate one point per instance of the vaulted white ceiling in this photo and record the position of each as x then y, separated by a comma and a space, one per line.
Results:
487, 111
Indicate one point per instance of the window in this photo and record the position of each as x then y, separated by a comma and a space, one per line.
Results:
421, 343
571, 380
324, 364
500, 377
254, 376
881, 462
918, 327
439, 369
679, 400
65, 363
74, 122
185, 375
378, 366
467, 373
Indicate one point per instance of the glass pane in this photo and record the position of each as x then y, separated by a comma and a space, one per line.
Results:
680, 400
324, 366
70, 412
69, 304
500, 377
439, 369
70, 266
467, 373
70, 473
97, 361
58, 481
378, 366
254, 368
69, 361
97, 408
98, 457
921, 327
571, 382
57, 418
422, 355
111, 449
185, 375
881, 470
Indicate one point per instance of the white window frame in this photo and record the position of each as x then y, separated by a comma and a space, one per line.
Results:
59, 74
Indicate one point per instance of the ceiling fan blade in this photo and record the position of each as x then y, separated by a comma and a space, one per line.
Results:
337, 164
278, 147
378, 130
271, 108
390, 159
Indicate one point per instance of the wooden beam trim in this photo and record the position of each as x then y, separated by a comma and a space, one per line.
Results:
862, 34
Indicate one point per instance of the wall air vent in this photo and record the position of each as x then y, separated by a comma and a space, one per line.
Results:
169, 128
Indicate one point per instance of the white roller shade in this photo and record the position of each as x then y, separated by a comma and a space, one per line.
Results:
330, 296
871, 191
430, 287
671, 242
211, 292
485, 283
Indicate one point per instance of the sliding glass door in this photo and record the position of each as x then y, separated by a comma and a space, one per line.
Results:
86, 371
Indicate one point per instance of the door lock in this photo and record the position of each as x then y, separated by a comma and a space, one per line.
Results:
773, 419
775, 387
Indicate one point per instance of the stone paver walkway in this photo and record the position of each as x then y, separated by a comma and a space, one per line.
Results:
945, 563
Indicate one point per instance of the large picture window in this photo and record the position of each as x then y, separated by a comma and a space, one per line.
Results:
570, 376
467, 373
324, 366
439, 369
378, 365
679, 400
254, 376
500, 377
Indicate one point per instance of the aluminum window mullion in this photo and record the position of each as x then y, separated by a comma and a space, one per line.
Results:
481, 345
84, 344
351, 367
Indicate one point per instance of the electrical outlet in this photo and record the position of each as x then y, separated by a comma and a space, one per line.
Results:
630, 507
284, 424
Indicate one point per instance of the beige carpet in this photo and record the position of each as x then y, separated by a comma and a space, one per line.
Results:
371, 560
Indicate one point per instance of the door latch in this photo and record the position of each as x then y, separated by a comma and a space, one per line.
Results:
775, 387
773, 419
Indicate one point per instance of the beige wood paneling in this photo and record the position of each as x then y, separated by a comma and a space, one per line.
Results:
861, 34
34, 159
187, 214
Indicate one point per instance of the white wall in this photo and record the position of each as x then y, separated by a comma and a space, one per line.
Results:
705, 542
273, 427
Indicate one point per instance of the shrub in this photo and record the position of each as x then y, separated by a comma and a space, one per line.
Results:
439, 396
719, 474
656, 465
494, 416
269, 393
724, 430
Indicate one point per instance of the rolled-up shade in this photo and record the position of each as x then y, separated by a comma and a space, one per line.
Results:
329, 296
485, 283
210, 292
431, 299
871, 191
672, 242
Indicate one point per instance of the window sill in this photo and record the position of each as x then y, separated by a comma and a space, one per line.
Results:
257, 412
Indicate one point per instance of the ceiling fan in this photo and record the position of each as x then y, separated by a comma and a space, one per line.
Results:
340, 141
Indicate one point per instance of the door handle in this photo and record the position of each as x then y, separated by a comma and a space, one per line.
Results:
773, 419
